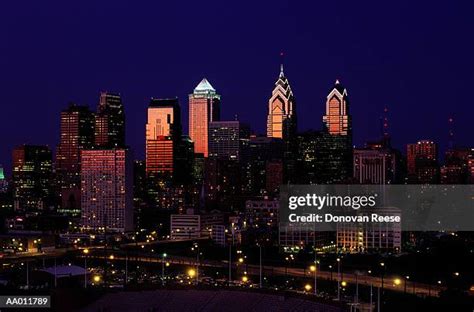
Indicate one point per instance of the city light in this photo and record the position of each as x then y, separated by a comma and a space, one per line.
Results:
245, 279
191, 273
343, 283
85, 251
241, 260
397, 281
96, 278
312, 268
307, 287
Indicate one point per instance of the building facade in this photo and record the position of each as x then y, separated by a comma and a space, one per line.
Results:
107, 190
204, 107
110, 121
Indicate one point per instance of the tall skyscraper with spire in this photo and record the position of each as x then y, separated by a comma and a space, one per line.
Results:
281, 120
204, 107
337, 119
334, 150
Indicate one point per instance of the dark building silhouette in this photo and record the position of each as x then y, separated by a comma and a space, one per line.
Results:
110, 121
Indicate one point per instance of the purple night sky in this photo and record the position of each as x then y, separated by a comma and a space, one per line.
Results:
416, 57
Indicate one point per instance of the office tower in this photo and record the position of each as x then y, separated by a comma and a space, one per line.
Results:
110, 121
3, 181
307, 148
470, 166
337, 120
224, 140
163, 135
374, 166
107, 190
259, 155
32, 177
334, 151
281, 120
456, 164
369, 237
204, 107
77, 133
422, 162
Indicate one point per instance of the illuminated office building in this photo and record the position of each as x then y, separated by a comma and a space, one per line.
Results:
32, 177
77, 133
107, 190
281, 120
110, 121
337, 120
422, 162
204, 107
163, 135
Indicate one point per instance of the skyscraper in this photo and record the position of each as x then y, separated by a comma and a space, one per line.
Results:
337, 120
3, 181
163, 135
334, 152
32, 174
204, 107
224, 139
110, 121
281, 120
374, 166
422, 162
107, 189
77, 133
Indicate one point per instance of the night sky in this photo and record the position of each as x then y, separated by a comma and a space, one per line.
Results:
415, 57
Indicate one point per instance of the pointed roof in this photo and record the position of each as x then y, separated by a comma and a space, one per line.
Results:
282, 74
204, 85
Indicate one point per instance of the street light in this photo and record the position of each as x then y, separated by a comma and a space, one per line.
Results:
241, 260
397, 281
85, 251
307, 287
96, 278
313, 269
191, 273
343, 283
163, 268
245, 279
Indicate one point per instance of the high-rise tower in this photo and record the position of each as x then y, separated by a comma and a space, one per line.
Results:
204, 107
163, 134
281, 120
110, 121
337, 119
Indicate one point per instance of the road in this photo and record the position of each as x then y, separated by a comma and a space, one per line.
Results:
349, 278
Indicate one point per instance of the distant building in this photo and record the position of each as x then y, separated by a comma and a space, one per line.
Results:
204, 107
262, 213
372, 237
470, 166
32, 178
422, 162
224, 140
334, 152
107, 190
77, 133
260, 165
193, 225
3, 181
374, 166
337, 120
163, 135
110, 121
281, 119
456, 166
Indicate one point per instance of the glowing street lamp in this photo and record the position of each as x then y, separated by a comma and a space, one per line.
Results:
245, 279
191, 273
397, 281
307, 287
343, 283
96, 278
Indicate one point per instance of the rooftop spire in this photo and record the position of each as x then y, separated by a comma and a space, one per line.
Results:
282, 74
204, 85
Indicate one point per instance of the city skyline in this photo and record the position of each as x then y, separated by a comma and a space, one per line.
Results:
407, 67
